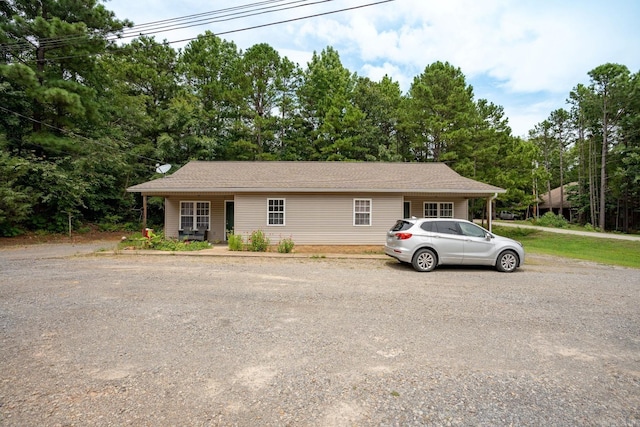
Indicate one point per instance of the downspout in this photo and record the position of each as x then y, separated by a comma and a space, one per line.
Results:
490, 211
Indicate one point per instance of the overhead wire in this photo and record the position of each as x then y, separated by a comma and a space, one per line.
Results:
239, 29
247, 28
288, 20
221, 17
172, 24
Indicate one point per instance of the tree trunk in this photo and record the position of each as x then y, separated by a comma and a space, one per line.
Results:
561, 212
592, 183
603, 165
581, 169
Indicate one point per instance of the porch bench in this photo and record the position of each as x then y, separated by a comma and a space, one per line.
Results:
192, 234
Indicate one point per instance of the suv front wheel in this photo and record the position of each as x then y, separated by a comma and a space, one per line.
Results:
424, 260
507, 261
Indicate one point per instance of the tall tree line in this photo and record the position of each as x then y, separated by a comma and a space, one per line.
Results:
83, 118
596, 144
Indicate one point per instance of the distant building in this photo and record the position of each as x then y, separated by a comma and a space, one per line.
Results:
551, 202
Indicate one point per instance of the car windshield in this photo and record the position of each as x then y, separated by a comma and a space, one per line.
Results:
401, 225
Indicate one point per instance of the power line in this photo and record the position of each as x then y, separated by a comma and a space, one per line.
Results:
255, 26
173, 24
289, 20
227, 17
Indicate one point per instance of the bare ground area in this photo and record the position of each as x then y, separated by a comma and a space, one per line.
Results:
108, 238
130, 339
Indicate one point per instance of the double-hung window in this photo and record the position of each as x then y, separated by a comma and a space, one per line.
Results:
194, 215
430, 210
275, 211
438, 209
361, 211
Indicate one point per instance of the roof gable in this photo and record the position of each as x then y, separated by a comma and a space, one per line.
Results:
223, 176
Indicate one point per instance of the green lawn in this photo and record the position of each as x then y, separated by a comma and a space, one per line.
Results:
624, 253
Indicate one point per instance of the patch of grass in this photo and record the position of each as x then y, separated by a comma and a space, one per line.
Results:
625, 253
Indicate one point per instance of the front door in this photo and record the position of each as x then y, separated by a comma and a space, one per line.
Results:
228, 218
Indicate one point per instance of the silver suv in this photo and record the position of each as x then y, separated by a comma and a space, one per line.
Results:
429, 242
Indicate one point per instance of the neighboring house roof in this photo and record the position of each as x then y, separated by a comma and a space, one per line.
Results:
246, 177
555, 197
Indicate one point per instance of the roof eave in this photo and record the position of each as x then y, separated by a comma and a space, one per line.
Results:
192, 190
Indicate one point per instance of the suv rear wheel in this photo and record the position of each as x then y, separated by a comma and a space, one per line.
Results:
424, 260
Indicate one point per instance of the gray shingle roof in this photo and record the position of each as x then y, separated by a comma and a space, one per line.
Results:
555, 197
235, 177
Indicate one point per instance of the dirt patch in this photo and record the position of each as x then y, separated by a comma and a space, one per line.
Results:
33, 238
340, 249
115, 236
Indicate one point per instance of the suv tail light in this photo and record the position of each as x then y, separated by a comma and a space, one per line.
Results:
403, 236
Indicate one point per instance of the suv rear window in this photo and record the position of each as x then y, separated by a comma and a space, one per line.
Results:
401, 225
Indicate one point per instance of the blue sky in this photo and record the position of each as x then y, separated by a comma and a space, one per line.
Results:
525, 55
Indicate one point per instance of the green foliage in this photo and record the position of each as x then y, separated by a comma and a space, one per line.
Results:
115, 223
516, 233
286, 245
607, 251
589, 227
439, 115
550, 219
16, 202
145, 102
258, 241
159, 243
235, 242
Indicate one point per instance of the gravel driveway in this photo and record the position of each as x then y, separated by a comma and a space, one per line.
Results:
202, 341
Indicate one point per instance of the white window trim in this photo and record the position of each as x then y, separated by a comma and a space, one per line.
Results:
284, 212
453, 205
370, 213
195, 213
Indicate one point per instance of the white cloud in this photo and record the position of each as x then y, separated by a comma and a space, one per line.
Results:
376, 73
300, 57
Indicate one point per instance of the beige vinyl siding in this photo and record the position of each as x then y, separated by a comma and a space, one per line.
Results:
310, 219
460, 206
216, 215
171, 217
318, 219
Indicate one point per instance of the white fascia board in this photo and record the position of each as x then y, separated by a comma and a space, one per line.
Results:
189, 190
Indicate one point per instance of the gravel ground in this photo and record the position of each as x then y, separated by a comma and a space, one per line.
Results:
203, 341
